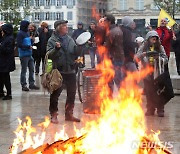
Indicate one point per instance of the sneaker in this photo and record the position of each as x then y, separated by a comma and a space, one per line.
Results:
7, 97
34, 87
25, 89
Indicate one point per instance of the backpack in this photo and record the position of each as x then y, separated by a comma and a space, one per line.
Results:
51, 79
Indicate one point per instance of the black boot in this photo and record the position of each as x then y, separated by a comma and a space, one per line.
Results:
69, 114
7, 97
54, 118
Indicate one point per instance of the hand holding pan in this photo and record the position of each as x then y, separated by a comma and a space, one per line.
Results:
83, 38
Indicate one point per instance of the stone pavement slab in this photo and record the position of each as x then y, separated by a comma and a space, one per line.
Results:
35, 104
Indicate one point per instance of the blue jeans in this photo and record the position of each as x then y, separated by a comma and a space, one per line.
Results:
93, 52
27, 62
118, 77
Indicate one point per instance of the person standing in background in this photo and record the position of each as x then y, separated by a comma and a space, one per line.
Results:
24, 44
34, 35
44, 35
176, 47
92, 45
166, 36
78, 31
7, 61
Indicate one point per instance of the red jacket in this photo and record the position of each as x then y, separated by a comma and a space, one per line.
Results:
165, 38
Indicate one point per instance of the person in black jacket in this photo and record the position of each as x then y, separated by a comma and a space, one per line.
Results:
128, 44
176, 47
78, 31
7, 61
44, 35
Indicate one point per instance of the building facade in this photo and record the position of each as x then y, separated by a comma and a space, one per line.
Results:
85, 7
144, 12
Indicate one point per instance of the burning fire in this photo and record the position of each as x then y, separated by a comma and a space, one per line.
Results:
121, 123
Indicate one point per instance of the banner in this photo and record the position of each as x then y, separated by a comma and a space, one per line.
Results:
164, 15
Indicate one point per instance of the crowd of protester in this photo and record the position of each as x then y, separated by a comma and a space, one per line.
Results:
125, 47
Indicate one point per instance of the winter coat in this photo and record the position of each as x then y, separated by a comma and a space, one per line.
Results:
77, 32
128, 45
7, 61
64, 57
24, 42
176, 44
145, 60
43, 39
114, 43
165, 36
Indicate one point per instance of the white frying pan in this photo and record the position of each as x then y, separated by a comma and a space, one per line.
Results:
83, 38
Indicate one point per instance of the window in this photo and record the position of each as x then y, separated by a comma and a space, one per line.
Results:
26, 2
63, 2
47, 16
139, 4
47, 3
58, 3
69, 3
123, 5
37, 3
37, 16
69, 16
59, 15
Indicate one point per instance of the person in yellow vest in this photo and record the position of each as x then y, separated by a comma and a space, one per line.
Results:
152, 45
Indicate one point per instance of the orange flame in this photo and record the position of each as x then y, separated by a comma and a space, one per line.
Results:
120, 124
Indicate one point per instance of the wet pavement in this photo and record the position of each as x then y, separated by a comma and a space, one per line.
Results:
35, 104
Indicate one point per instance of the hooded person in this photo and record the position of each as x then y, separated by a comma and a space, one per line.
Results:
24, 44
78, 31
152, 44
128, 43
7, 61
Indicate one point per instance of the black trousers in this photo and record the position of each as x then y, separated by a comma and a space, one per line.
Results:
69, 80
5, 80
177, 55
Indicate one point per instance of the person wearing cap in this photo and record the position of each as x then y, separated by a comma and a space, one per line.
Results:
114, 44
7, 61
44, 35
78, 31
166, 35
63, 51
152, 43
24, 44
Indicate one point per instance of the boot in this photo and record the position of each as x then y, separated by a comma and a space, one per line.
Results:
69, 114
54, 118
70, 117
